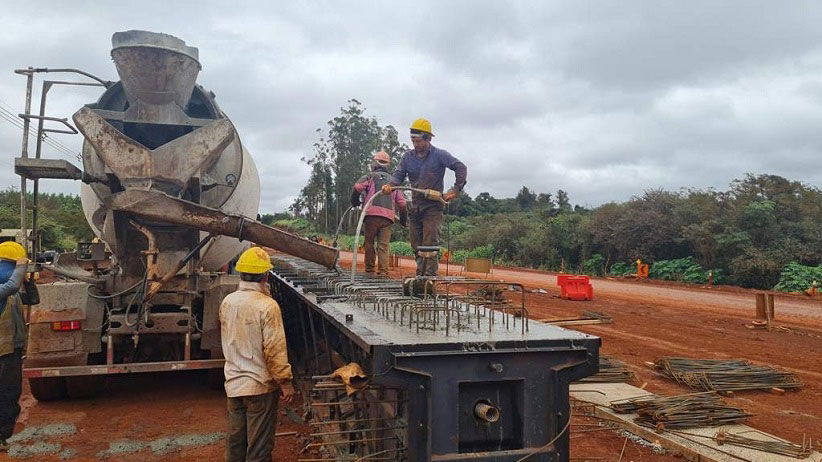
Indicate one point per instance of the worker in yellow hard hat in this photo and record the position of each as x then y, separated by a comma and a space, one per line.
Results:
424, 166
257, 372
380, 215
13, 264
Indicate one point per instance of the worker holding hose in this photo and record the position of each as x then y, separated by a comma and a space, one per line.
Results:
424, 166
380, 215
13, 263
257, 372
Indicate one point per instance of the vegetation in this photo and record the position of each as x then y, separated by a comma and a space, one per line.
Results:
341, 156
61, 219
797, 278
764, 231
757, 233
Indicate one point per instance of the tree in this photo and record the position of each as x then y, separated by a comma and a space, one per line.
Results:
563, 202
526, 199
340, 158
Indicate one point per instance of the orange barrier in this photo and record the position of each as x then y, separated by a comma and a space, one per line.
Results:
575, 287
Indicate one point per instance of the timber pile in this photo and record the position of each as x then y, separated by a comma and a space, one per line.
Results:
725, 375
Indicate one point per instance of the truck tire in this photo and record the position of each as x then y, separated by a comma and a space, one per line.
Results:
84, 386
47, 388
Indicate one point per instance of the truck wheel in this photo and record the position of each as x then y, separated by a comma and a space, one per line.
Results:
84, 386
47, 388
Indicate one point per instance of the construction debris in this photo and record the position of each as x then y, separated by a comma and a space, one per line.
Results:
611, 370
725, 375
352, 376
682, 411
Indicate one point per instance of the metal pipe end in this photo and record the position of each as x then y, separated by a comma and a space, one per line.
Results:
486, 412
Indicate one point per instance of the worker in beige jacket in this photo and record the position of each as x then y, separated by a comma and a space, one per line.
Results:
257, 372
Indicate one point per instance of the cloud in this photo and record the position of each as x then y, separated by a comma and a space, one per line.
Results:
601, 100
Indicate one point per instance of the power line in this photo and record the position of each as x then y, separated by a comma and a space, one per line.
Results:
4, 107
54, 144
65, 153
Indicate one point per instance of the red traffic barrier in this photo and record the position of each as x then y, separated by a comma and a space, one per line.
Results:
575, 287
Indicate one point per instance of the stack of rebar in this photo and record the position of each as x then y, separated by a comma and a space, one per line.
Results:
785, 448
682, 411
725, 375
611, 370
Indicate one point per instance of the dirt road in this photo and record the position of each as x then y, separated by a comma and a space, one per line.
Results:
725, 299
163, 417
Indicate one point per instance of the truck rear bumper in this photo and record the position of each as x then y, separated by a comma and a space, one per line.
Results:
104, 369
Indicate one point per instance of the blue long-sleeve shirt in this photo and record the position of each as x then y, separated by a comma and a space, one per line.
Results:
10, 300
429, 172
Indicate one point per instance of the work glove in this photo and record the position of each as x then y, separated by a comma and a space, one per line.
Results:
404, 218
450, 195
355, 199
387, 189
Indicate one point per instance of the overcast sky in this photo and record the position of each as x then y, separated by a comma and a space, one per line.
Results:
601, 99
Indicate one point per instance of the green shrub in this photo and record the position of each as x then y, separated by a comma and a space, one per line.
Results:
621, 269
594, 266
401, 248
796, 278
345, 243
674, 270
483, 251
684, 270
295, 225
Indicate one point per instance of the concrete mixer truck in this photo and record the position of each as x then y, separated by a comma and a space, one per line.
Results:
171, 194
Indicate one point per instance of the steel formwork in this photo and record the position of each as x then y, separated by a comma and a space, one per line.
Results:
453, 376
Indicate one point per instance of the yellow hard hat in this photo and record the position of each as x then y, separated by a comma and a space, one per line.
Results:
11, 250
254, 261
422, 125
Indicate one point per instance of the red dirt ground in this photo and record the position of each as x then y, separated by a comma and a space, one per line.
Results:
650, 321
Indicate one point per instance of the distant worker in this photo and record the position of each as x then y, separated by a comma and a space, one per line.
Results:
13, 263
257, 372
380, 214
425, 168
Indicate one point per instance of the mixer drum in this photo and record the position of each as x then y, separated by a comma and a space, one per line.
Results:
155, 103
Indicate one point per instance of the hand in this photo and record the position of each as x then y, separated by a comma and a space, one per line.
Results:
450, 195
286, 392
387, 189
22, 261
355, 200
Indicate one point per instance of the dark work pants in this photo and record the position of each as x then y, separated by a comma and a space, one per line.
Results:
377, 231
11, 385
252, 421
424, 229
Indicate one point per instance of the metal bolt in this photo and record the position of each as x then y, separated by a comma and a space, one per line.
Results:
496, 367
